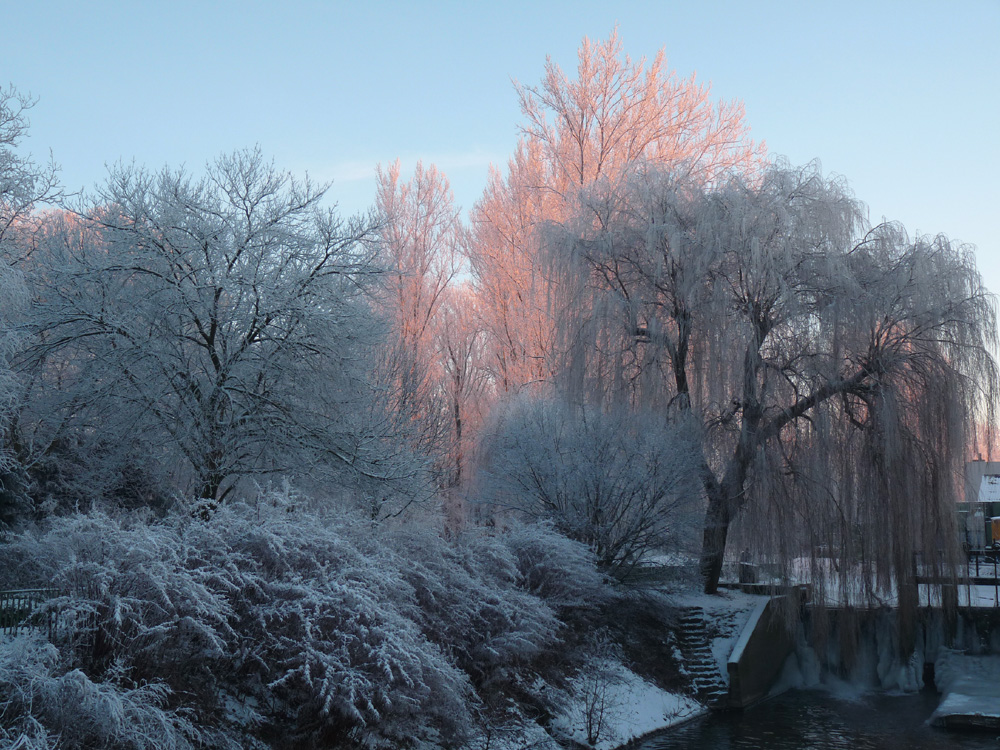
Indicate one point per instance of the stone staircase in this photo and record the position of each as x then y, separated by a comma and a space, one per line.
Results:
692, 639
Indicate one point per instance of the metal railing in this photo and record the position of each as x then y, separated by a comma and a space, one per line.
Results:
983, 563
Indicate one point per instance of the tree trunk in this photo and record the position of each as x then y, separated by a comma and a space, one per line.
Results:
713, 550
458, 431
726, 498
208, 493
210, 487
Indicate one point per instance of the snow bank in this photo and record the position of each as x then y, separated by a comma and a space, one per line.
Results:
971, 689
619, 706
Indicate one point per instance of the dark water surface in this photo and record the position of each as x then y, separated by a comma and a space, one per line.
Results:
820, 721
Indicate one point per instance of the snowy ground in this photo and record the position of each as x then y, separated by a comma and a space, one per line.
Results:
633, 707
619, 706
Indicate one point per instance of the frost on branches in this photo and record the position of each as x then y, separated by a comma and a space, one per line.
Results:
221, 322
623, 483
832, 370
576, 132
45, 706
297, 626
24, 185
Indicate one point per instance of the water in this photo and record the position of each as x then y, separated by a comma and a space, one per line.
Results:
817, 720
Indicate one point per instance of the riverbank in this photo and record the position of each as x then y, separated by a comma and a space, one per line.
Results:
616, 708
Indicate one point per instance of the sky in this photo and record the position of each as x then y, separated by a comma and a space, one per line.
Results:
902, 98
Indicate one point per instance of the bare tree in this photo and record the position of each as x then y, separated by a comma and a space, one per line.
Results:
623, 483
461, 352
615, 114
420, 248
827, 371
23, 185
222, 319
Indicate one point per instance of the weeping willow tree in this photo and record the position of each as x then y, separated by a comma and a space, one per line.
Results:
834, 369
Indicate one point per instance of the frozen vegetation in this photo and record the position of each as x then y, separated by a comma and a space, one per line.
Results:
614, 705
649, 339
280, 624
284, 623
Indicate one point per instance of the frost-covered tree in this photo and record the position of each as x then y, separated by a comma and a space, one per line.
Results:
23, 182
575, 132
222, 321
835, 369
461, 351
420, 243
23, 185
623, 483
12, 298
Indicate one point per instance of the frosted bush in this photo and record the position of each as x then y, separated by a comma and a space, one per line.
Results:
43, 706
304, 628
554, 568
130, 594
468, 600
623, 483
326, 631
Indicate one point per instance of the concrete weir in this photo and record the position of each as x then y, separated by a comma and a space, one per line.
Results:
789, 642
759, 654
960, 652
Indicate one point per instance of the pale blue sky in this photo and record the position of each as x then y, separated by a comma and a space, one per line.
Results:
902, 98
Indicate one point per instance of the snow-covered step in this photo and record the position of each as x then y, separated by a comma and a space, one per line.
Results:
699, 661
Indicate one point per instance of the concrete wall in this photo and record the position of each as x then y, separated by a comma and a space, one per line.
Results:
759, 654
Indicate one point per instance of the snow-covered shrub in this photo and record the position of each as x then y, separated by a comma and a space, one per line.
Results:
304, 627
507, 607
469, 601
45, 706
554, 568
623, 483
259, 602
327, 635
130, 596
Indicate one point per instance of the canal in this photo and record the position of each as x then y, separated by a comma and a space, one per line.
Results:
817, 720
